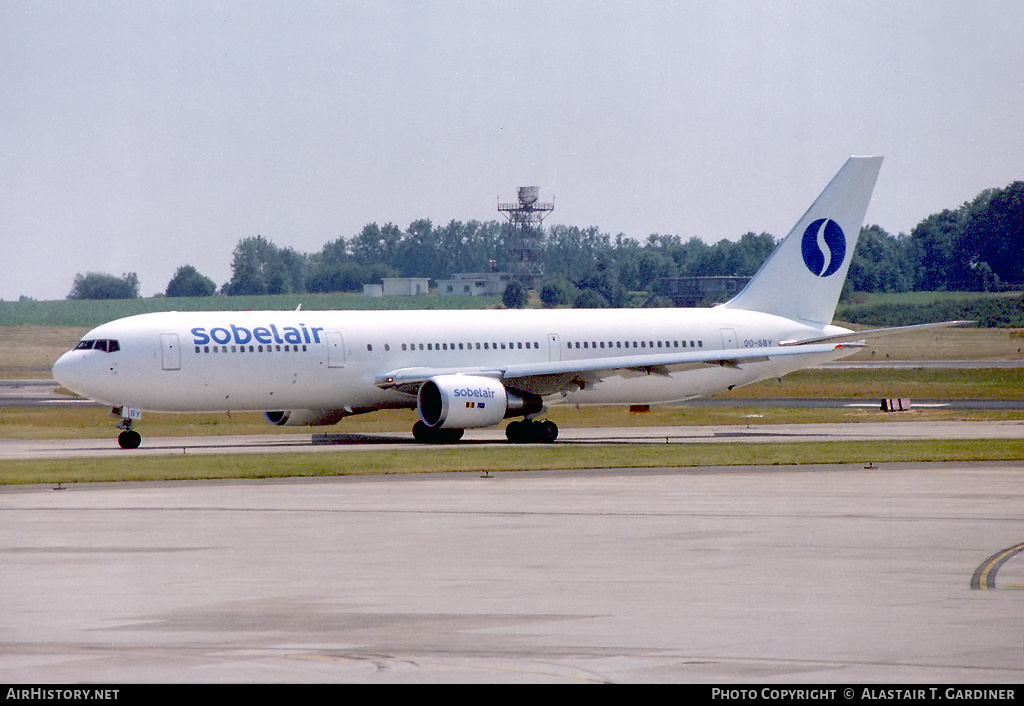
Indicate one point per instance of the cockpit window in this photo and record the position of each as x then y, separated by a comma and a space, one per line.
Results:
102, 344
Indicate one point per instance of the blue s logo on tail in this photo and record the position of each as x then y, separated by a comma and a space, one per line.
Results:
824, 232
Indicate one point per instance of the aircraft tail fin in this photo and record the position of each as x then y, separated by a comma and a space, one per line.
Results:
803, 277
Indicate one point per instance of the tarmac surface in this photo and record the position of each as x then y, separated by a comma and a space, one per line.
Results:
825, 574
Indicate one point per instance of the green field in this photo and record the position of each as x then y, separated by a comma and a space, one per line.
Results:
914, 298
87, 314
915, 383
988, 310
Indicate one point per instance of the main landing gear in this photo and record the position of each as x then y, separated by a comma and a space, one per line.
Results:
518, 432
527, 431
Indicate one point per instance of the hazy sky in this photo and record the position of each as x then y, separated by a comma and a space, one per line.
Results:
141, 136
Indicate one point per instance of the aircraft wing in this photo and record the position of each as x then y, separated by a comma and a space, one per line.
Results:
545, 378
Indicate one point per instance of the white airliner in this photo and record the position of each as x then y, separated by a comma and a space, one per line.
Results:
471, 369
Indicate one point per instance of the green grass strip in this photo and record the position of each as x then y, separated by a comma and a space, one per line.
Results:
134, 467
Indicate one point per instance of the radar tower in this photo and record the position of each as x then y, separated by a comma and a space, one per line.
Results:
526, 218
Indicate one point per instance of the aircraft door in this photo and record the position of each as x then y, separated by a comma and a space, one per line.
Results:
554, 347
335, 350
170, 352
728, 338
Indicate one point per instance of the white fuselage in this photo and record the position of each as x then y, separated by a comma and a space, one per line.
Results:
279, 360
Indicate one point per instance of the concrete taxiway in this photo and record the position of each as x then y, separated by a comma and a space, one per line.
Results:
337, 441
814, 574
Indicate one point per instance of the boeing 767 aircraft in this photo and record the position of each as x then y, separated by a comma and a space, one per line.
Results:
469, 369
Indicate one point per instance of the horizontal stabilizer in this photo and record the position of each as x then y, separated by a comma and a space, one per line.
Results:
874, 333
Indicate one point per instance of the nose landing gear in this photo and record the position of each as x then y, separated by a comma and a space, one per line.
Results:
128, 438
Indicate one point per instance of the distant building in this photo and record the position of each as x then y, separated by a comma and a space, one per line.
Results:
406, 286
373, 290
474, 284
698, 291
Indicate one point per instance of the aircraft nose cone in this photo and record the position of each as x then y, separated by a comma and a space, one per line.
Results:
66, 371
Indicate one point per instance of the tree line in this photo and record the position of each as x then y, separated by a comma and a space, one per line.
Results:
972, 248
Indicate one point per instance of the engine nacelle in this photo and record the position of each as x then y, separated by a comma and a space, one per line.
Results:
470, 402
305, 417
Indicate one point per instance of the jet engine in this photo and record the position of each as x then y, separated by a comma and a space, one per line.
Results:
305, 417
469, 402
